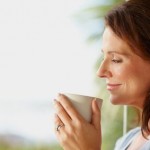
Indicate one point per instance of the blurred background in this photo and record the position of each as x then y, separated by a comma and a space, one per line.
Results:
49, 47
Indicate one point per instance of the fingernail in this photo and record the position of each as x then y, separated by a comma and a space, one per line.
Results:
54, 102
59, 94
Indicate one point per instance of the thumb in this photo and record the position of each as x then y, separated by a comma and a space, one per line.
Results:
96, 114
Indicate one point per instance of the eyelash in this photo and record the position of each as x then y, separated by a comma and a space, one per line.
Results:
116, 61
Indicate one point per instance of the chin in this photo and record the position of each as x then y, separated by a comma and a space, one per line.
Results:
115, 100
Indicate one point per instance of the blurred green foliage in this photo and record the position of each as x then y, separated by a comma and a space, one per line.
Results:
94, 15
6, 146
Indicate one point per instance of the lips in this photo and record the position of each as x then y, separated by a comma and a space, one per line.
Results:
113, 86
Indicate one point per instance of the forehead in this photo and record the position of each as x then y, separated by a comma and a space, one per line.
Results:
111, 42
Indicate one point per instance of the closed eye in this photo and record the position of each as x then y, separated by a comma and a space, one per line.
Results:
116, 60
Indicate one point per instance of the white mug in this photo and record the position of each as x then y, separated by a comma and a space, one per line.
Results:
83, 104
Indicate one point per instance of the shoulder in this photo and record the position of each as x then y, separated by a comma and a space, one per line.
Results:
146, 146
125, 140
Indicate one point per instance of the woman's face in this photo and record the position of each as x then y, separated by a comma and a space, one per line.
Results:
127, 75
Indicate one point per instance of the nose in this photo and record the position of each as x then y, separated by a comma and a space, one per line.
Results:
104, 71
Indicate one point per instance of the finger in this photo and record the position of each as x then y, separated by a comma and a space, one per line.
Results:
58, 123
65, 118
57, 120
96, 115
65, 102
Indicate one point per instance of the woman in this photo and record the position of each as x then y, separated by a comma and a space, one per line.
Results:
126, 69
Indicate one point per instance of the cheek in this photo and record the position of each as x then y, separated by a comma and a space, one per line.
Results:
135, 81
121, 73
127, 71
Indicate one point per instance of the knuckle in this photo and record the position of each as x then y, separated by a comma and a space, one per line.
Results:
56, 118
56, 121
79, 125
59, 110
67, 107
65, 137
71, 129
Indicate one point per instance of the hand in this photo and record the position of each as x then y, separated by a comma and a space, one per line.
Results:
75, 133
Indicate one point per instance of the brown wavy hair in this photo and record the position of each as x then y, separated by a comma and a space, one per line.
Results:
131, 22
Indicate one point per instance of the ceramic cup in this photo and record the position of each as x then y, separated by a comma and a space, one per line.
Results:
83, 104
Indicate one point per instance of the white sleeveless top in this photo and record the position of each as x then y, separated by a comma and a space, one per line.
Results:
123, 142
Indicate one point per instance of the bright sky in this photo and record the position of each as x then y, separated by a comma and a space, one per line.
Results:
42, 52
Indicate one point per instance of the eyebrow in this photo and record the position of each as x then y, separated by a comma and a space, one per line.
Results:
120, 53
